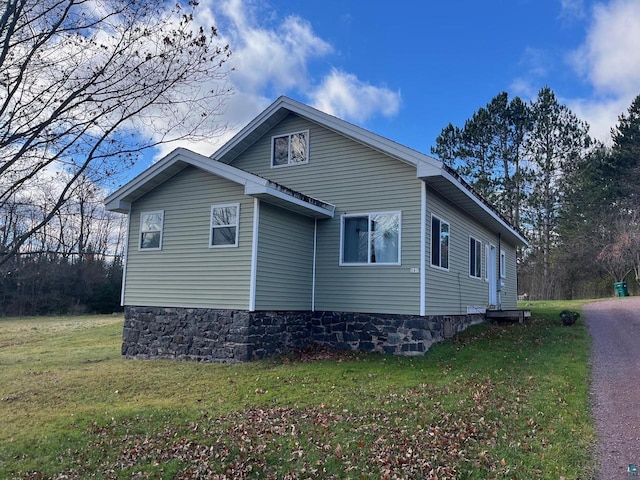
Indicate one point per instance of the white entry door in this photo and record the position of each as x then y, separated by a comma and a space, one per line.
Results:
492, 267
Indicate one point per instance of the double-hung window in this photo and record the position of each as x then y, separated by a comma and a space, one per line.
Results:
439, 243
370, 238
151, 224
290, 149
475, 258
503, 264
224, 225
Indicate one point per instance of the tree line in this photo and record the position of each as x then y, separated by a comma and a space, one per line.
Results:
575, 199
73, 264
85, 89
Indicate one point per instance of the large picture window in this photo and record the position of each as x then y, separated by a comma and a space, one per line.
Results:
439, 243
475, 258
224, 225
372, 238
291, 149
151, 224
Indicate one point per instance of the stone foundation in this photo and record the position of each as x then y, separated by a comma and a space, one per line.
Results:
238, 336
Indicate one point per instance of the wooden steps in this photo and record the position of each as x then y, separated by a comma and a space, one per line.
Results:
508, 315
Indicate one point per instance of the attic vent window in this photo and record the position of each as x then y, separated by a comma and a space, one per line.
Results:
290, 149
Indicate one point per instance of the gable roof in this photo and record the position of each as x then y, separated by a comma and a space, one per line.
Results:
255, 186
432, 171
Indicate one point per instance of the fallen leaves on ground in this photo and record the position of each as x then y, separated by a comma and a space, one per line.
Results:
409, 436
314, 352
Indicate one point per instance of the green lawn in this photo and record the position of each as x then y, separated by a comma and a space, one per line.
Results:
499, 401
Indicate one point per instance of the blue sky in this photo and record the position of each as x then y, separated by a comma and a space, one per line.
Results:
406, 69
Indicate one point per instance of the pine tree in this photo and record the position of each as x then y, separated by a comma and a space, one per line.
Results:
488, 152
626, 155
555, 144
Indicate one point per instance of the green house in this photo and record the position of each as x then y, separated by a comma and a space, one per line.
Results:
306, 228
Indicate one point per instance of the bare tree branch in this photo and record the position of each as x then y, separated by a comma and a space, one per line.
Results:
86, 87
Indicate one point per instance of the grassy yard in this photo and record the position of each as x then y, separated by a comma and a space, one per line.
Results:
499, 401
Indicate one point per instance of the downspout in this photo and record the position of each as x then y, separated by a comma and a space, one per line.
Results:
254, 255
423, 247
499, 276
313, 278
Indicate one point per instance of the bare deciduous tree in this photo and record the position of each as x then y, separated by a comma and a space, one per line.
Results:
621, 255
86, 86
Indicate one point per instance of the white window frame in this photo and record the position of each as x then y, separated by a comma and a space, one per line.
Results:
503, 264
441, 220
236, 225
141, 232
289, 162
368, 215
478, 253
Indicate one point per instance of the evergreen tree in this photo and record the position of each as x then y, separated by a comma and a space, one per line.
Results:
587, 211
556, 143
488, 152
626, 155
446, 147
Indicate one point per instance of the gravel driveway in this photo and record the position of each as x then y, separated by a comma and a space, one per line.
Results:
615, 389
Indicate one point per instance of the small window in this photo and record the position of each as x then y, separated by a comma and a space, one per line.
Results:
475, 258
503, 264
439, 243
372, 238
151, 224
291, 149
224, 225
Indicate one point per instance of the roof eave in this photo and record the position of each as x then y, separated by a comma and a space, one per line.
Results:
284, 105
121, 200
467, 200
274, 196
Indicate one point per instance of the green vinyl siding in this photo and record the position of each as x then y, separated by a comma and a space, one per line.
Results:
450, 292
510, 288
356, 179
186, 272
285, 260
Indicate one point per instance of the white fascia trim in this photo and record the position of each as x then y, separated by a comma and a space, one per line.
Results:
118, 205
188, 157
144, 177
359, 134
496, 217
251, 188
429, 169
366, 137
423, 248
248, 128
254, 255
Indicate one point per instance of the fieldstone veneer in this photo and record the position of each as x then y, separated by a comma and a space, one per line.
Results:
238, 336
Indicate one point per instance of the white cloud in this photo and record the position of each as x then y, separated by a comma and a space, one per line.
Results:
600, 115
572, 9
535, 63
344, 95
609, 59
524, 88
610, 56
272, 56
